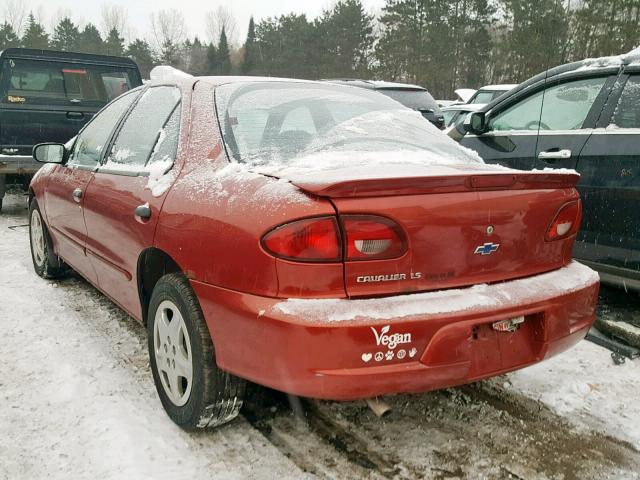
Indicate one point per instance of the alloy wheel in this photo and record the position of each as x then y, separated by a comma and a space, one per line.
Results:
37, 238
172, 349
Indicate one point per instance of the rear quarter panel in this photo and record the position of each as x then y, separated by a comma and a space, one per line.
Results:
216, 213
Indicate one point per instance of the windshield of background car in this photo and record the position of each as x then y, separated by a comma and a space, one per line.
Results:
485, 96
275, 122
416, 99
49, 82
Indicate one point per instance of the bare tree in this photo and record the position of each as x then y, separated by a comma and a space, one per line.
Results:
14, 13
220, 18
113, 16
169, 29
60, 14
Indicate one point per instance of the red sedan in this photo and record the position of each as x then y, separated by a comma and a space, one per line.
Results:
318, 239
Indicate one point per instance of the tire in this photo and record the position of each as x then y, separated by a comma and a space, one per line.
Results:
210, 397
45, 262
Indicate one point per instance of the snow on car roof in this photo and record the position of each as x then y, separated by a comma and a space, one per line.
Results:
375, 84
504, 86
382, 85
630, 58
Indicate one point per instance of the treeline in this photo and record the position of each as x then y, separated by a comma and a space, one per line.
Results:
440, 44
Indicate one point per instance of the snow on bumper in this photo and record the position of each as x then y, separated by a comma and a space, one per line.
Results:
346, 349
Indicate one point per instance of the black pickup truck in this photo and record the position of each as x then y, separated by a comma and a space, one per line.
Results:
47, 96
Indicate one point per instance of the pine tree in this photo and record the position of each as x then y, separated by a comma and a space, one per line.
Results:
90, 40
223, 54
213, 64
34, 35
66, 36
289, 46
8, 37
250, 62
197, 58
140, 51
347, 39
414, 46
114, 44
605, 28
534, 39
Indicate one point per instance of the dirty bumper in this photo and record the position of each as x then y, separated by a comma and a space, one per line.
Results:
346, 349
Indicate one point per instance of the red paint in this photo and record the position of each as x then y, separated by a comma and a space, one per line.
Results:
212, 225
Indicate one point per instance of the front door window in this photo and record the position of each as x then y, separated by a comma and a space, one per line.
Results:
559, 107
93, 139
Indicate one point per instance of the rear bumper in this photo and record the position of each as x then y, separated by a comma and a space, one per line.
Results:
348, 349
22, 164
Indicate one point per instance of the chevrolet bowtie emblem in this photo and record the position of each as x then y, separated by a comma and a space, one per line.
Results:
487, 248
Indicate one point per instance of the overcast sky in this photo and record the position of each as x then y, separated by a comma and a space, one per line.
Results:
83, 11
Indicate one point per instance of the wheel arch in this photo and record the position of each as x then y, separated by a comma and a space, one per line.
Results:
153, 264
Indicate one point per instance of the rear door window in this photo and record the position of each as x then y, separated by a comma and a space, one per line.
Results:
627, 113
48, 82
143, 129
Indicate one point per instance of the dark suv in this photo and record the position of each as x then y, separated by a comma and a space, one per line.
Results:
47, 96
412, 96
584, 116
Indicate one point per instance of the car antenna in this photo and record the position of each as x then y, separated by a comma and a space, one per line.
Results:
544, 90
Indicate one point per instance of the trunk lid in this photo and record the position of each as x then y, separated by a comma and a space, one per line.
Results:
465, 225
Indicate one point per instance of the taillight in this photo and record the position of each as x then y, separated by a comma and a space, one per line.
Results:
566, 222
369, 237
308, 240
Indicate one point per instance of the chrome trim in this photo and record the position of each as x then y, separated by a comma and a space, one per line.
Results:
616, 131
521, 133
125, 173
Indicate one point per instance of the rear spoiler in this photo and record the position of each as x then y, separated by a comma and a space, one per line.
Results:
439, 184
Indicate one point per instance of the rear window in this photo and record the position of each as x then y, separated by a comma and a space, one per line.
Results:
415, 99
45, 82
275, 122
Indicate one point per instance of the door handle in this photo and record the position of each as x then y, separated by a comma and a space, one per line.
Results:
143, 211
75, 115
77, 195
555, 154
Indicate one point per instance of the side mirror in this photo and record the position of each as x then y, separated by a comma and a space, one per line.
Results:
49, 153
475, 122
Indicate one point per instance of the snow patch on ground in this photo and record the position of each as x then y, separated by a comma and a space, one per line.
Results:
585, 385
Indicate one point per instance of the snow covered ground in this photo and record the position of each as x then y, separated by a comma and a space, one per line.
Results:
585, 386
77, 397
77, 401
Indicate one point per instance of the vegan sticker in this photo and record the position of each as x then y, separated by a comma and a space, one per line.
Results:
389, 342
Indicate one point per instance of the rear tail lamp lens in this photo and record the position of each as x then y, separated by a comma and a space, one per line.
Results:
369, 237
566, 222
307, 240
